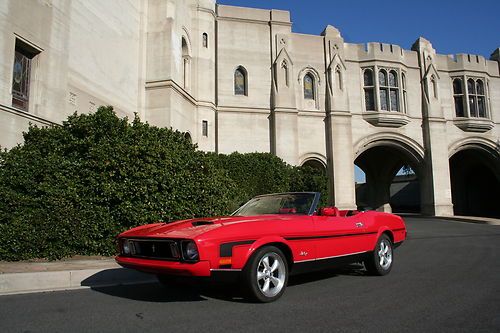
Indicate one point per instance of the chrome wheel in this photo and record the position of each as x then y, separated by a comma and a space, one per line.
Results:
385, 254
271, 274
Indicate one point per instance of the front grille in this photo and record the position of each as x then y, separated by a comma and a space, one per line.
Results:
154, 249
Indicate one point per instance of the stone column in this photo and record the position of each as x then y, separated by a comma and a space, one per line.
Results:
338, 124
284, 115
436, 189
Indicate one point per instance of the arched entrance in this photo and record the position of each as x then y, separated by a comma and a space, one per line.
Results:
475, 181
315, 164
393, 172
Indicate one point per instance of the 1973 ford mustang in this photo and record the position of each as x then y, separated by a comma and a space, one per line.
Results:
263, 242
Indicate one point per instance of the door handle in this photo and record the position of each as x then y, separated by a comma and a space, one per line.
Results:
359, 224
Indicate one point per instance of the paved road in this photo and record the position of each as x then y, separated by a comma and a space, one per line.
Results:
446, 278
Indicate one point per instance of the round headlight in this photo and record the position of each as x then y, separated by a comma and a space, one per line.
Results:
126, 246
190, 251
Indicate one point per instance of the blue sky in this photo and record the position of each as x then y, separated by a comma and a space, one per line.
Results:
451, 26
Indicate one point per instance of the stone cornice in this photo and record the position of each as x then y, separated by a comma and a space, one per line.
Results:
27, 115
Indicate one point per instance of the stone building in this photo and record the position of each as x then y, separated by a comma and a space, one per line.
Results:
239, 79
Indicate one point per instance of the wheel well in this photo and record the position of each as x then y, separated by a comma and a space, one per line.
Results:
286, 251
390, 235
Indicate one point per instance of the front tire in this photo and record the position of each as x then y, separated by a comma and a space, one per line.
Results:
379, 262
266, 274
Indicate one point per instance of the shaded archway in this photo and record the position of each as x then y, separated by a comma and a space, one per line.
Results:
475, 181
393, 171
315, 164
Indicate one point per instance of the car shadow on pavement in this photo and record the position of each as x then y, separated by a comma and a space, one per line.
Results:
176, 292
197, 291
350, 269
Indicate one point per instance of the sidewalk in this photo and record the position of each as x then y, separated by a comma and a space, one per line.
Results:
74, 273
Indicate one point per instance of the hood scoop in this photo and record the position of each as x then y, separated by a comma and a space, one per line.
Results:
198, 223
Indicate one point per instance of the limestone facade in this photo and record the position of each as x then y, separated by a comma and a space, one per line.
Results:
239, 79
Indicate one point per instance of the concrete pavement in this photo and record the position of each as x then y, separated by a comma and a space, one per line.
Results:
73, 273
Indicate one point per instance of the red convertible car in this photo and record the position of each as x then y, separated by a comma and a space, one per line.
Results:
263, 242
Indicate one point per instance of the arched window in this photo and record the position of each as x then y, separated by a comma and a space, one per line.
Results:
185, 64
383, 90
369, 89
458, 96
393, 91
205, 39
187, 136
403, 82
481, 99
240, 81
471, 90
309, 86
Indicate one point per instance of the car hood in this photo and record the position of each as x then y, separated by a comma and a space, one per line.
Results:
195, 227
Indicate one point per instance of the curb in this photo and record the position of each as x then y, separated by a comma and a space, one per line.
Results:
20, 283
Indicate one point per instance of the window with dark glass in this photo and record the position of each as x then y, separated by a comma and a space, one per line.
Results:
477, 98
393, 91
471, 90
481, 99
458, 95
384, 84
470, 98
240, 81
205, 39
204, 128
21, 74
308, 86
383, 90
403, 82
369, 90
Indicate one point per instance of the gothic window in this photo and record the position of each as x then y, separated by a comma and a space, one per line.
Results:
470, 102
477, 98
471, 90
240, 81
403, 82
186, 59
369, 90
386, 88
205, 39
458, 96
383, 90
21, 77
393, 91
309, 86
481, 99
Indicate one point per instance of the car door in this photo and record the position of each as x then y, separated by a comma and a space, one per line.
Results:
340, 236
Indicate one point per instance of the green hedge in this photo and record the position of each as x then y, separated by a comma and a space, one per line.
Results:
71, 189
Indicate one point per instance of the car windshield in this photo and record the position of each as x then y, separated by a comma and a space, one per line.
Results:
283, 203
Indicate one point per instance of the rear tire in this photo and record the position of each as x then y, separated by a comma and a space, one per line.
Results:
379, 262
266, 274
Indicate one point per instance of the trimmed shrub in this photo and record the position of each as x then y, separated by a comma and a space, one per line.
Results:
253, 174
71, 189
